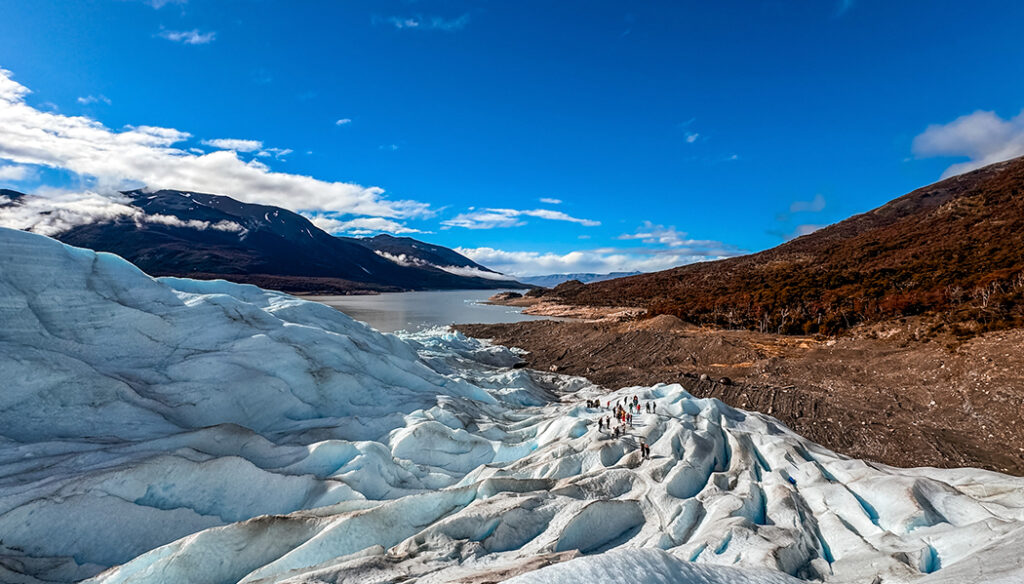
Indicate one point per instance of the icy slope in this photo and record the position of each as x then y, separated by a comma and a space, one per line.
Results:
208, 432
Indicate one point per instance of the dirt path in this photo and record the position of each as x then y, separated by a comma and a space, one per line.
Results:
884, 399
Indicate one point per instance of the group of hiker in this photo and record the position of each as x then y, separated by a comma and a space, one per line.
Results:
622, 412
624, 409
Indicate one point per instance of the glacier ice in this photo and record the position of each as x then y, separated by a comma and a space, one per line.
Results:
170, 430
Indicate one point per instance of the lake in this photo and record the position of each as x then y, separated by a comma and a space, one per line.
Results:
413, 311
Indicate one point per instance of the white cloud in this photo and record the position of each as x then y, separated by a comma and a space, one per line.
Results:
62, 211
692, 137
158, 4
11, 90
805, 230
146, 155
815, 205
407, 260
15, 173
785, 229
669, 241
91, 99
429, 23
550, 201
189, 37
235, 144
173, 221
600, 261
360, 225
343, 122
402, 259
982, 137
557, 216
494, 218
651, 233
278, 153
470, 272
487, 219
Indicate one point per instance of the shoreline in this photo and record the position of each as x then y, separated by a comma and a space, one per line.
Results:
543, 307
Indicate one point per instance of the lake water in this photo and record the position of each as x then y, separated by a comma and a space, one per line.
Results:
413, 311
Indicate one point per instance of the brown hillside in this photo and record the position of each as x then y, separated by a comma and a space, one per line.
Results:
954, 249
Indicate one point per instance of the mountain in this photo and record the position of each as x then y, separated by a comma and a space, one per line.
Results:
552, 280
157, 431
177, 233
9, 197
951, 250
411, 252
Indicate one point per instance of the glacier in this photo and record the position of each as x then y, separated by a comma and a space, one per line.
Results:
169, 430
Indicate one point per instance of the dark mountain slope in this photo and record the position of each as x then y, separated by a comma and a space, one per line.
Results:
211, 236
9, 197
953, 249
420, 252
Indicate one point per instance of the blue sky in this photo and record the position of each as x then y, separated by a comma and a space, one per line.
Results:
537, 137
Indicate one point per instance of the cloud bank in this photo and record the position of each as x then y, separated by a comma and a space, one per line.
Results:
983, 137
15, 173
671, 248
467, 271
598, 261
62, 212
360, 225
159, 158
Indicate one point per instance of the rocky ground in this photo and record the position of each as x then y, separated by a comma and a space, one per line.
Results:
881, 394
543, 307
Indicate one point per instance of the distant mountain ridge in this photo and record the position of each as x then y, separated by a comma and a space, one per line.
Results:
552, 280
952, 250
409, 251
179, 233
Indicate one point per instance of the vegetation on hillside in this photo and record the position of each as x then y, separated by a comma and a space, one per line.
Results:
954, 250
